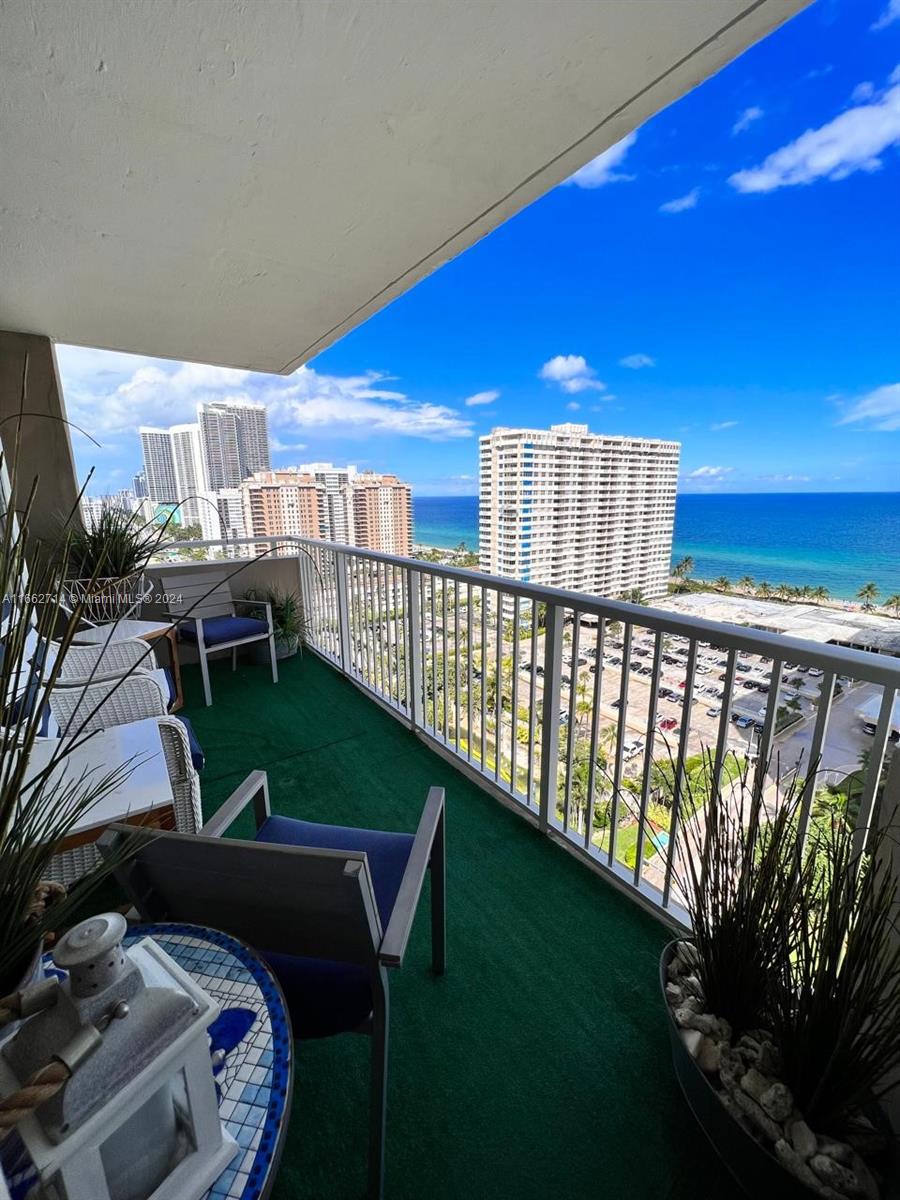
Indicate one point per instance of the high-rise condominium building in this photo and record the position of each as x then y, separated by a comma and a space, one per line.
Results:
578, 510
190, 470
333, 503
159, 465
381, 513
139, 485
235, 441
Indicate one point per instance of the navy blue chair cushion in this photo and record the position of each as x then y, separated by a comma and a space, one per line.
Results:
197, 756
327, 997
224, 629
170, 685
22, 708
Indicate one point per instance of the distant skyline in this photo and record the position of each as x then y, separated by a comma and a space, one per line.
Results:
728, 275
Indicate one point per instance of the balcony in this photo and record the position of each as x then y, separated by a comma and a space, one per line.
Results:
539, 1064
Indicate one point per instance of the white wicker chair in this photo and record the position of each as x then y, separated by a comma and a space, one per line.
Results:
69, 867
84, 707
94, 662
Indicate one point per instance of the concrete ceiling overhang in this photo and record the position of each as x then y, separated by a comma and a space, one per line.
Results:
243, 181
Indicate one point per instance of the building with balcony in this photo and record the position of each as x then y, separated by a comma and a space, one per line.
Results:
578, 510
235, 441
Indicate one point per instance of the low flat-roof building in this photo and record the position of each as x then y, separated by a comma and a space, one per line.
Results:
813, 622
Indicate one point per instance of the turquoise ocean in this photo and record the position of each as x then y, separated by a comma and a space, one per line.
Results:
839, 540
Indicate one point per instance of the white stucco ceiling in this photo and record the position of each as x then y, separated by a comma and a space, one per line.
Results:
242, 181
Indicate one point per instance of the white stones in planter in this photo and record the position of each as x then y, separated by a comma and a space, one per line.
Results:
746, 1075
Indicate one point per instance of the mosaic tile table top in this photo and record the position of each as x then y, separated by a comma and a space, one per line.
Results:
251, 1048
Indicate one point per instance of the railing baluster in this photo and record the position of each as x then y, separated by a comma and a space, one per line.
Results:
515, 698
413, 647
432, 613
572, 714
532, 687
766, 738
553, 641
482, 662
469, 727
595, 733
446, 703
620, 744
498, 690
813, 767
724, 721
456, 658
343, 611
678, 780
648, 754
873, 770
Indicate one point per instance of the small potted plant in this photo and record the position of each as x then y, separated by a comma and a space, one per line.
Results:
288, 618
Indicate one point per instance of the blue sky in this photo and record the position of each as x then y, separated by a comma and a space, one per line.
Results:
728, 276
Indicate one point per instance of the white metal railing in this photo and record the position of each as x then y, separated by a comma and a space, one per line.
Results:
592, 715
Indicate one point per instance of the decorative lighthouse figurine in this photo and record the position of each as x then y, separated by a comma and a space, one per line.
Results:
137, 1116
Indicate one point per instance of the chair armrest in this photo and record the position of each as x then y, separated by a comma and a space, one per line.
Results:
256, 788
396, 936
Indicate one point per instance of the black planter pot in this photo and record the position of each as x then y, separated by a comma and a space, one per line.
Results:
756, 1172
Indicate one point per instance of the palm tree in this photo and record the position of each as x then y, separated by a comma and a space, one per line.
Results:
784, 591
745, 583
894, 603
868, 593
764, 590
722, 584
634, 596
683, 567
819, 594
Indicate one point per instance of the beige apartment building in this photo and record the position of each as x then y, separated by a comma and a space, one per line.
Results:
578, 510
367, 510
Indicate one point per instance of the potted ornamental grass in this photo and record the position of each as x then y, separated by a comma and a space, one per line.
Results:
783, 1004
38, 811
288, 618
106, 560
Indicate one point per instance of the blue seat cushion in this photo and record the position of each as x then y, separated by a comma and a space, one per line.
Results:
170, 684
326, 997
217, 630
197, 756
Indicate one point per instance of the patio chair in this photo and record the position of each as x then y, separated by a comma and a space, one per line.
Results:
71, 865
330, 908
204, 610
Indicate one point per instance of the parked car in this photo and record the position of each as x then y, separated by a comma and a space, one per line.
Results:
667, 724
616, 704
816, 672
563, 717
749, 684
744, 722
714, 711
630, 749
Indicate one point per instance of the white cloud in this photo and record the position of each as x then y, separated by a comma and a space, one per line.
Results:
863, 91
720, 425
572, 373
784, 478
356, 404
481, 398
709, 472
746, 119
889, 16
602, 169
636, 361
110, 395
281, 447
851, 142
879, 409
682, 203
573, 406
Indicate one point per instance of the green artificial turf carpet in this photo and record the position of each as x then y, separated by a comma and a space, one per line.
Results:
538, 1066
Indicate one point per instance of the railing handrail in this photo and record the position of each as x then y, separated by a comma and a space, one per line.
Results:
864, 665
